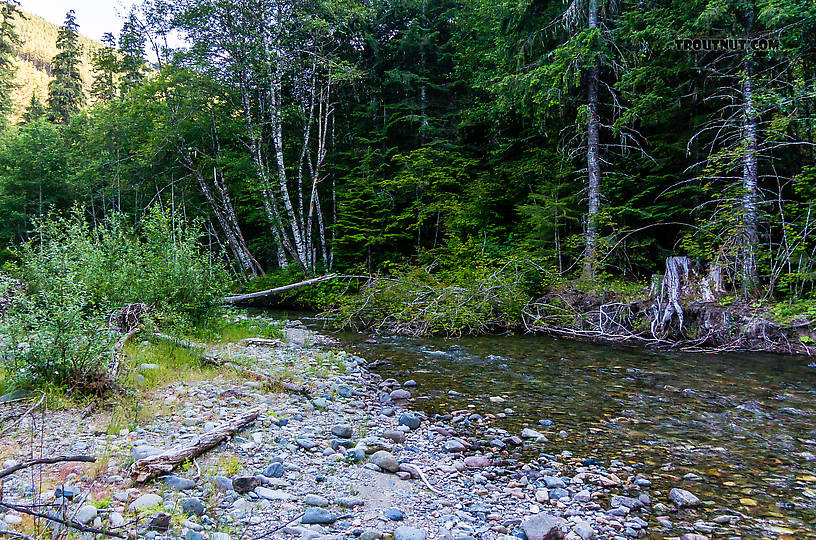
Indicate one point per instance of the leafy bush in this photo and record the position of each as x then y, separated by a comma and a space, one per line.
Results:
55, 336
158, 262
75, 275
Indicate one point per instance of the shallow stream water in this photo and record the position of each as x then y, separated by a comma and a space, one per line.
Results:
738, 430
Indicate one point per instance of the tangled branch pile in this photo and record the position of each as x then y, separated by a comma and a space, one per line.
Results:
418, 302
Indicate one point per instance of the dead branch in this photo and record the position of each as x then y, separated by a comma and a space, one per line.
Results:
261, 342
16, 534
28, 411
164, 463
68, 523
43, 461
238, 298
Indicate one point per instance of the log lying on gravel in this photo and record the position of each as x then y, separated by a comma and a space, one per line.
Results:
286, 385
164, 463
261, 342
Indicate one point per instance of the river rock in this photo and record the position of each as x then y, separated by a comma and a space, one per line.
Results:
315, 500
274, 470
683, 498
400, 394
528, 433
350, 502
584, 530
160, 522
148, 500
385, 461
116, 519
394, 514
343, 431
320, 403
192, 506
316, 515
544, 527
371, 534
178, 483
273, 494
409, 533
306, 443
628, 502
245, 484
86, 514
409, 419
477, 462
394, 435
452, 445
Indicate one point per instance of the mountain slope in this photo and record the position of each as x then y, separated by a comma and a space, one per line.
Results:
37, 48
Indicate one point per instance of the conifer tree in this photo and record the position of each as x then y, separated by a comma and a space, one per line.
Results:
36, 109
105, 69
8, 40
131, 45
65, 95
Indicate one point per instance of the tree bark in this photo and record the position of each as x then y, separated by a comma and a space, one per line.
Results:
593, 156
164, 463
750, 173
260, 294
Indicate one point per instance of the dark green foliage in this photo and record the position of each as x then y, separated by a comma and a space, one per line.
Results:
105, 70
35, 110
9, 14
65, 93
131, 45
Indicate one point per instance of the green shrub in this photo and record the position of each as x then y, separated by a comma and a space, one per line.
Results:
55, 336
75, 275
159, 262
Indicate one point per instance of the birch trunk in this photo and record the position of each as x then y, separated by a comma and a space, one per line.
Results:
749, 177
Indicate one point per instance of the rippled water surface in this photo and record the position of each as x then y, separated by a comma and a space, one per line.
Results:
744, 424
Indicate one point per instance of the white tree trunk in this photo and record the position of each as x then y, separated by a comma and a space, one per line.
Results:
749, 181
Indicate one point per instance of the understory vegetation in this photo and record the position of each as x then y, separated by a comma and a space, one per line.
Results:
74, 276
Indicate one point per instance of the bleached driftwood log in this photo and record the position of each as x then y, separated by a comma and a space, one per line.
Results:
164, 463
238, 298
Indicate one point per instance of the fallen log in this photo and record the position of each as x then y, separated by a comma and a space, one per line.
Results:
261, 342
238, 298
164, 463
286, 385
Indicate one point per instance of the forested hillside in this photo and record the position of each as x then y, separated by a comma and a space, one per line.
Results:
451, 135
33, 57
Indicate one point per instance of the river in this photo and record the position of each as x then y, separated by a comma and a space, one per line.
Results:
738, 430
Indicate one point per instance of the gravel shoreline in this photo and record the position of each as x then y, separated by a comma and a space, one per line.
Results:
354, 458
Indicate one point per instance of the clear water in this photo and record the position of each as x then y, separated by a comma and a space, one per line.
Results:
744, 423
